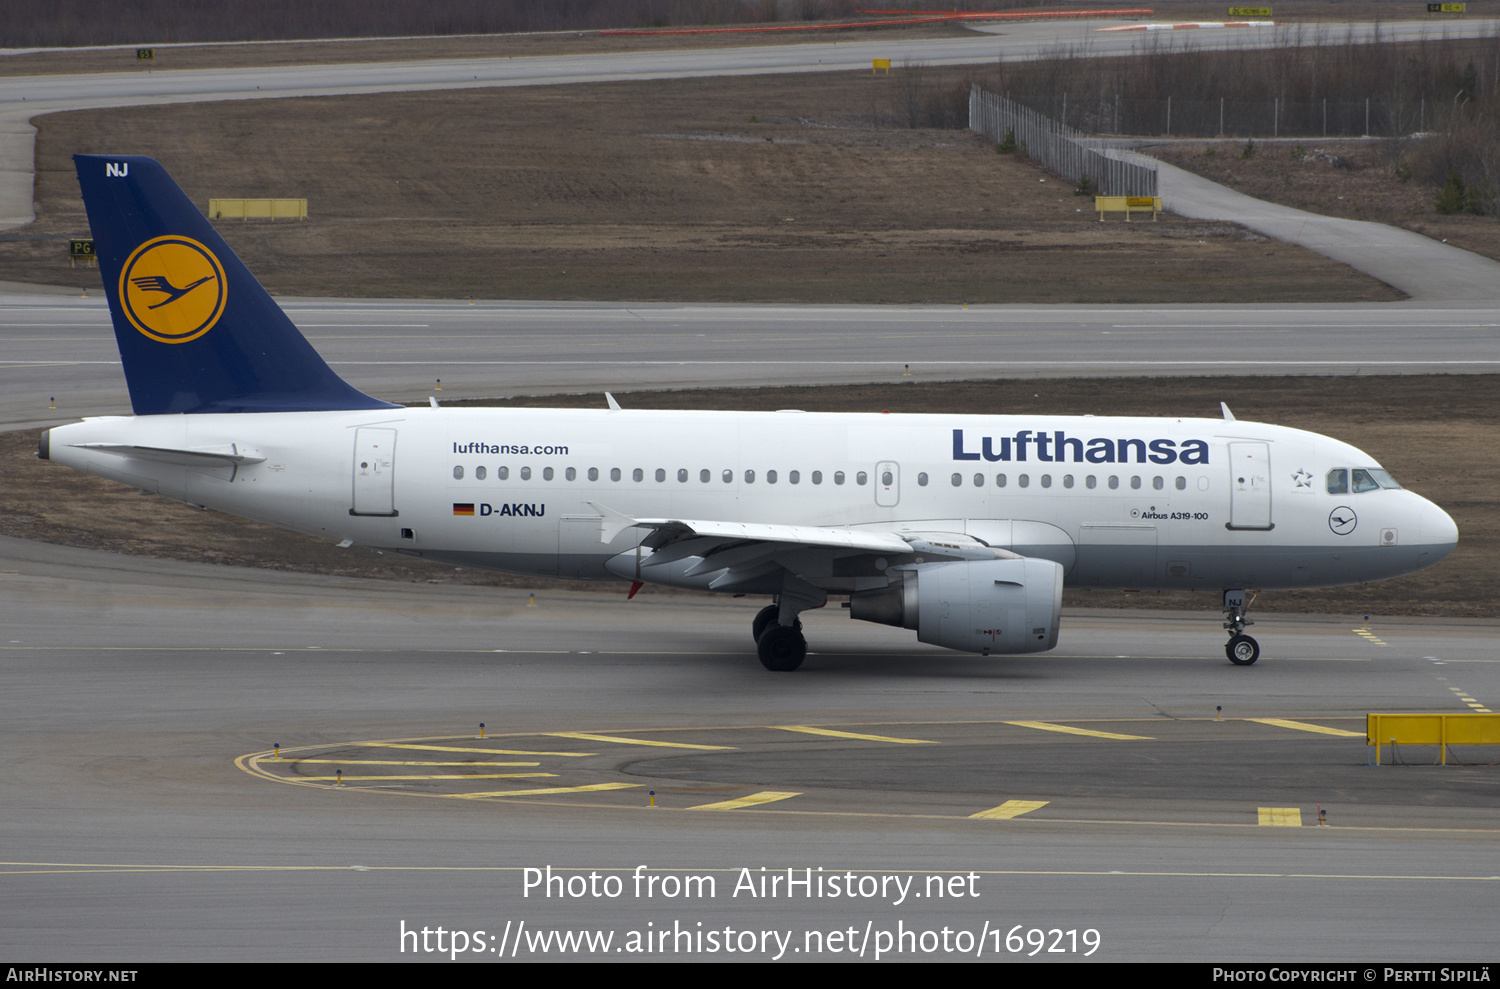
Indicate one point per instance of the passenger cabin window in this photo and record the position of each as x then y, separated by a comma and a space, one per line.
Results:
637, 475
525, 473
838, 477
861, 478
458, 473
546, 473
922, 480
478, 473
503, 473
593, 473
817, 477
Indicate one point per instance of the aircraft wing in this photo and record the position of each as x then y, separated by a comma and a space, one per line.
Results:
706, 534
717, 555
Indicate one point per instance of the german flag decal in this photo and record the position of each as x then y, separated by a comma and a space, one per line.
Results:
467, 509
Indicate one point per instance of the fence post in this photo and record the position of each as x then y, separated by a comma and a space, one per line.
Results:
1221, 116
1169, 116
1367, 116
1276, 117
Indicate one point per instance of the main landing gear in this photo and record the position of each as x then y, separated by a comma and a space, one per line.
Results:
781, 647
1241, 649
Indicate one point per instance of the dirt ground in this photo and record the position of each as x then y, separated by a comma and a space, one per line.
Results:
799, 188
1424, 429
1355, 180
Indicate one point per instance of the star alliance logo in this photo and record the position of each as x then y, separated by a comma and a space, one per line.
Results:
1303, 479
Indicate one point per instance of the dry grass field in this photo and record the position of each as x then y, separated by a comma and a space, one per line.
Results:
800, 188
1433, 433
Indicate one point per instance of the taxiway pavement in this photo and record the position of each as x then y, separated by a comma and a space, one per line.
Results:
138, 691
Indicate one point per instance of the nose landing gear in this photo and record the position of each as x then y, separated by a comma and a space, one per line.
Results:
1241, 649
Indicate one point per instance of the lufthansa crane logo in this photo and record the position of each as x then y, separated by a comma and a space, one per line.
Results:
172, 289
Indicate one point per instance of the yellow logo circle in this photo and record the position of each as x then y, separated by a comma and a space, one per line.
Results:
172, 289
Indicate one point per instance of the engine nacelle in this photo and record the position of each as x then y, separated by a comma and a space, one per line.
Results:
983, 606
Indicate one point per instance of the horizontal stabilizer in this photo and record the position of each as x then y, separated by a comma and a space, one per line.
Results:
232, 455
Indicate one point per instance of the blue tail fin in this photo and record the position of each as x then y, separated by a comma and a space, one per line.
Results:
197, 332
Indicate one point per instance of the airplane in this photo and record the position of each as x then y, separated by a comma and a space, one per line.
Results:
962, 527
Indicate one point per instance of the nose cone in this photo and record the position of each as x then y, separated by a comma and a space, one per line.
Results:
1439, 533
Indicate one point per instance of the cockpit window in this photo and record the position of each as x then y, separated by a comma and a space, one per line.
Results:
1358, 480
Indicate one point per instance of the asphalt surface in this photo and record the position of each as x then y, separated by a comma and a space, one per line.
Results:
59, 350
1419, 266
146, 817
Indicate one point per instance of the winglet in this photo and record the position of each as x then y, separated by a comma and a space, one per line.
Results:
1228, 416
196, 331
613, 405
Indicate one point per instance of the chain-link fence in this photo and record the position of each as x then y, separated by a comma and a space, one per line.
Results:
1247, 118
1068, 152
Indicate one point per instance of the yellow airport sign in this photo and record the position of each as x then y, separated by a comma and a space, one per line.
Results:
1249, 11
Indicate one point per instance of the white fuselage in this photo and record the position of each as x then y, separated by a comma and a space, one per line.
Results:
1119, 502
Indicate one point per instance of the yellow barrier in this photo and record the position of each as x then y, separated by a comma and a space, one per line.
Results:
1124, 204
257, 209
1441, 730
881, 64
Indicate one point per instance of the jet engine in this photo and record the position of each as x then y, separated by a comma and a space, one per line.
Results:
983, 606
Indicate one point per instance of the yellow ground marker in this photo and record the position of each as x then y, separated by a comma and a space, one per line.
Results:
454, 748
1069, 730
1009, 809
544, 792
829, 732
399, 762
634, 741
441, 776
763, 797
1304, 726
1476, 705
1280, 817
1370, 637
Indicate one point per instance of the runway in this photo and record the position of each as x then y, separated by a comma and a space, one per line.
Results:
131, 833
61, 348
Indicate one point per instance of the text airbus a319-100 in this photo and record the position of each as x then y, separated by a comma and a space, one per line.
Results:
965, 528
